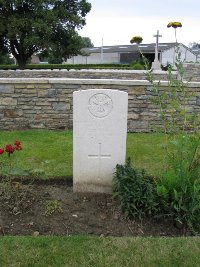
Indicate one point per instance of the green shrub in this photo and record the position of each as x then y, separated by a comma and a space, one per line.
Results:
68, 66
135, 190
179, 188
138, 66
8, 67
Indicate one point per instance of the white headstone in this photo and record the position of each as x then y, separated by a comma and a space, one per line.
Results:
99, 137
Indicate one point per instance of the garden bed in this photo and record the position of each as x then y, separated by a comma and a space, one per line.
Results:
51, 208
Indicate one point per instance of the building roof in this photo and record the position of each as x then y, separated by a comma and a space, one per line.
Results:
145, 48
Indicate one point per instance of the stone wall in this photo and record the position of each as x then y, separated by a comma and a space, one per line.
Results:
82, 74
39, 103
192, 71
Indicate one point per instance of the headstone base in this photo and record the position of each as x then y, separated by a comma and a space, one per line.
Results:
91, 188
156, 65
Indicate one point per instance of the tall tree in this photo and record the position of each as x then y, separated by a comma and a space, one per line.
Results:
31, 26
5, 59
87, 42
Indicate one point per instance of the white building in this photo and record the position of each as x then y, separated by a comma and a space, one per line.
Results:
130, 53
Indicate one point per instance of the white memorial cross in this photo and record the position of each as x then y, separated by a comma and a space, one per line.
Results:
99, 137
156, 63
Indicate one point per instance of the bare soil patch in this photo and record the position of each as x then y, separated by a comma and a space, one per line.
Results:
76, 213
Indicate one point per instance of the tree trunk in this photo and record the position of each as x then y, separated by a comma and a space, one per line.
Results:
20, 56
21, 61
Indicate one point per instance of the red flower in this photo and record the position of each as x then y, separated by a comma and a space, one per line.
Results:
18, 147
9, 149
17, 143
1, 151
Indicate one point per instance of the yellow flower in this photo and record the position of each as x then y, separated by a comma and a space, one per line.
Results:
174, 24
136, 39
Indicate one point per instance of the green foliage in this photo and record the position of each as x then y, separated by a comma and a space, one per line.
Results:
135, 190
54, 58
52, 206
28, 27
138, 66
68, 66
6, 59
8, 67
173, 101
86, 42
179, 187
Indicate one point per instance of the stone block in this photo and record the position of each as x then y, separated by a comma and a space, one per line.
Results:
6, 88
29, 91
20, 86
30, 86
66, 86
12, 113
60, 106
133, 116
8, 101
43, 86
138, 125
42, 103
137, 90
36, 125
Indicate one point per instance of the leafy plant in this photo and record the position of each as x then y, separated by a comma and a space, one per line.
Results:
173, 101
138, 66
179, 187
135, 190
6, 162
52, 206
13, 192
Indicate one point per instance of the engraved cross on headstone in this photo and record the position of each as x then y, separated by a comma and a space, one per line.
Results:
99, 155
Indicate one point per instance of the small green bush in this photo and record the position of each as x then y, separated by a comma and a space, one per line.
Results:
135, 190
138, 66
179, 187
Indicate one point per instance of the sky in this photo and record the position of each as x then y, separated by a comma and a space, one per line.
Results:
115, 22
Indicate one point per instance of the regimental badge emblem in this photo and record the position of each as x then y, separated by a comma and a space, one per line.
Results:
100, 105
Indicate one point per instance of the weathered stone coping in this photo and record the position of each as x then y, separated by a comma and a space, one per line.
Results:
86, 81
90, 70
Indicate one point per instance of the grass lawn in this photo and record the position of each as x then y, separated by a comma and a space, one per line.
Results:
50, 152
87, 251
